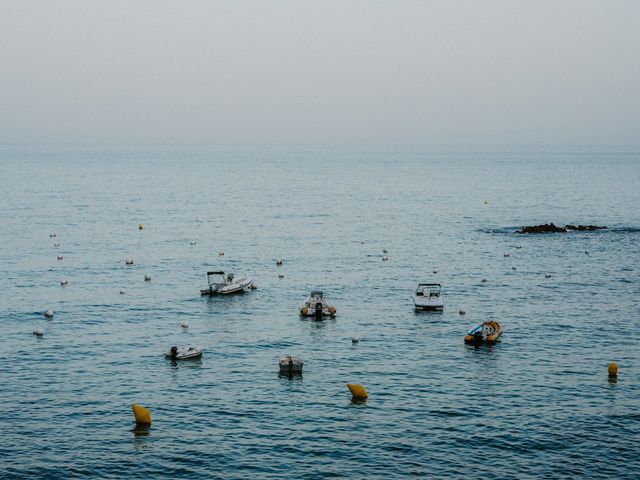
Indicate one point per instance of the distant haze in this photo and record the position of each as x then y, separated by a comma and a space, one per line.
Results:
323, 72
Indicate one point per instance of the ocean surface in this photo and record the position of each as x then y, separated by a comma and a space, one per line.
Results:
537, 405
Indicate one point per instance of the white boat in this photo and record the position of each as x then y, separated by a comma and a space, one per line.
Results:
185, 352
428, 297
316, 306
228, 284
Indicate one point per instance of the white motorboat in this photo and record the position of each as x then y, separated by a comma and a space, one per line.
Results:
316, 306
185, 352
428, 297
228, 284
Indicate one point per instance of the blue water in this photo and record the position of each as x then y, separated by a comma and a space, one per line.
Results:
537, 405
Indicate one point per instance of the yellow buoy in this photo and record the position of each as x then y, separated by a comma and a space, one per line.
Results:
141, 226
304, 311
357, 391
143, 416
613, 370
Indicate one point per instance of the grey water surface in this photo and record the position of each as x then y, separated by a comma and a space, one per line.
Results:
537, 405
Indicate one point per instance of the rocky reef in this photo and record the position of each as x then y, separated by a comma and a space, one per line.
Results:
551, 228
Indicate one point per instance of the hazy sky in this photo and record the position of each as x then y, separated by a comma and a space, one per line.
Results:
323, 72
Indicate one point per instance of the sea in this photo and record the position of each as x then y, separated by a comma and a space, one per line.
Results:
538, 404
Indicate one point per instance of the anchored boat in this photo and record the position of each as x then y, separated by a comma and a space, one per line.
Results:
290, 365
486, 332
428, 297
228, 284
316, 306
186, 352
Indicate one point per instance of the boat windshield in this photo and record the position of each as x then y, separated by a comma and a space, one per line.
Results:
317, 293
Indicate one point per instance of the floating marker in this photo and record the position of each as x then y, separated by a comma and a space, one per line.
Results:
122, 291
56, 245
64, 283
613, 370
355, 339
128, 261
384, 250
385, 258
38, 332
547, 275
279, 262
513, 268
52, 235
141, 226
192, 243
435, 271
184, 324
280, 275
462, 312
48, 313
484, 280
507, 254
141, 414
358, 392
60, 257
220, 253
147, 278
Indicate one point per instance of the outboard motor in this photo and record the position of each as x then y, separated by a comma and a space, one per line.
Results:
174, 352
319, 311
477, 339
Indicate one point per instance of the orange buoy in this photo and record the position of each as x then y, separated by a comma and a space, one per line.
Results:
141, 414
613, 370
332, 310
357, 391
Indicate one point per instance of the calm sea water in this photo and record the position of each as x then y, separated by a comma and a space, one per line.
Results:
537, 405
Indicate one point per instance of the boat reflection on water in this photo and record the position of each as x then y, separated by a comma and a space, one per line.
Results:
141, 430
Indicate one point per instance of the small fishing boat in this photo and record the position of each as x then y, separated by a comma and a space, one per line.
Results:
428, 297
316, 306
290, 365
228, 284
487, 332
186, 352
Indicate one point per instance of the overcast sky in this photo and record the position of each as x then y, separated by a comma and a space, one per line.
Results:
322, 72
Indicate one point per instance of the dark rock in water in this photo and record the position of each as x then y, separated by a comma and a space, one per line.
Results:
546, 228
551, 228
584, 227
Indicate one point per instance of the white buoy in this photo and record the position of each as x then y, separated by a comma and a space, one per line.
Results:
192, 243
60, 257
355, 339
507, 254
435, 271
48, 313
64, 283
38, 332
56, 245
385, 258
220, 253
279, 262
254, 285
52, 235
122, 291
147, 278
184, 324
547, 275
518, 246
128, 261
462, 312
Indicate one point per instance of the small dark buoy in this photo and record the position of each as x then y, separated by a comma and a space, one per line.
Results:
435, 271
355, 339
64, 283
513, 268
547, 275
192, 243
280, 275
461, 311
385, 258
279, 262
484, 280
52, 235
384, 250
220, 253
147, 278
128, 261
60, 257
